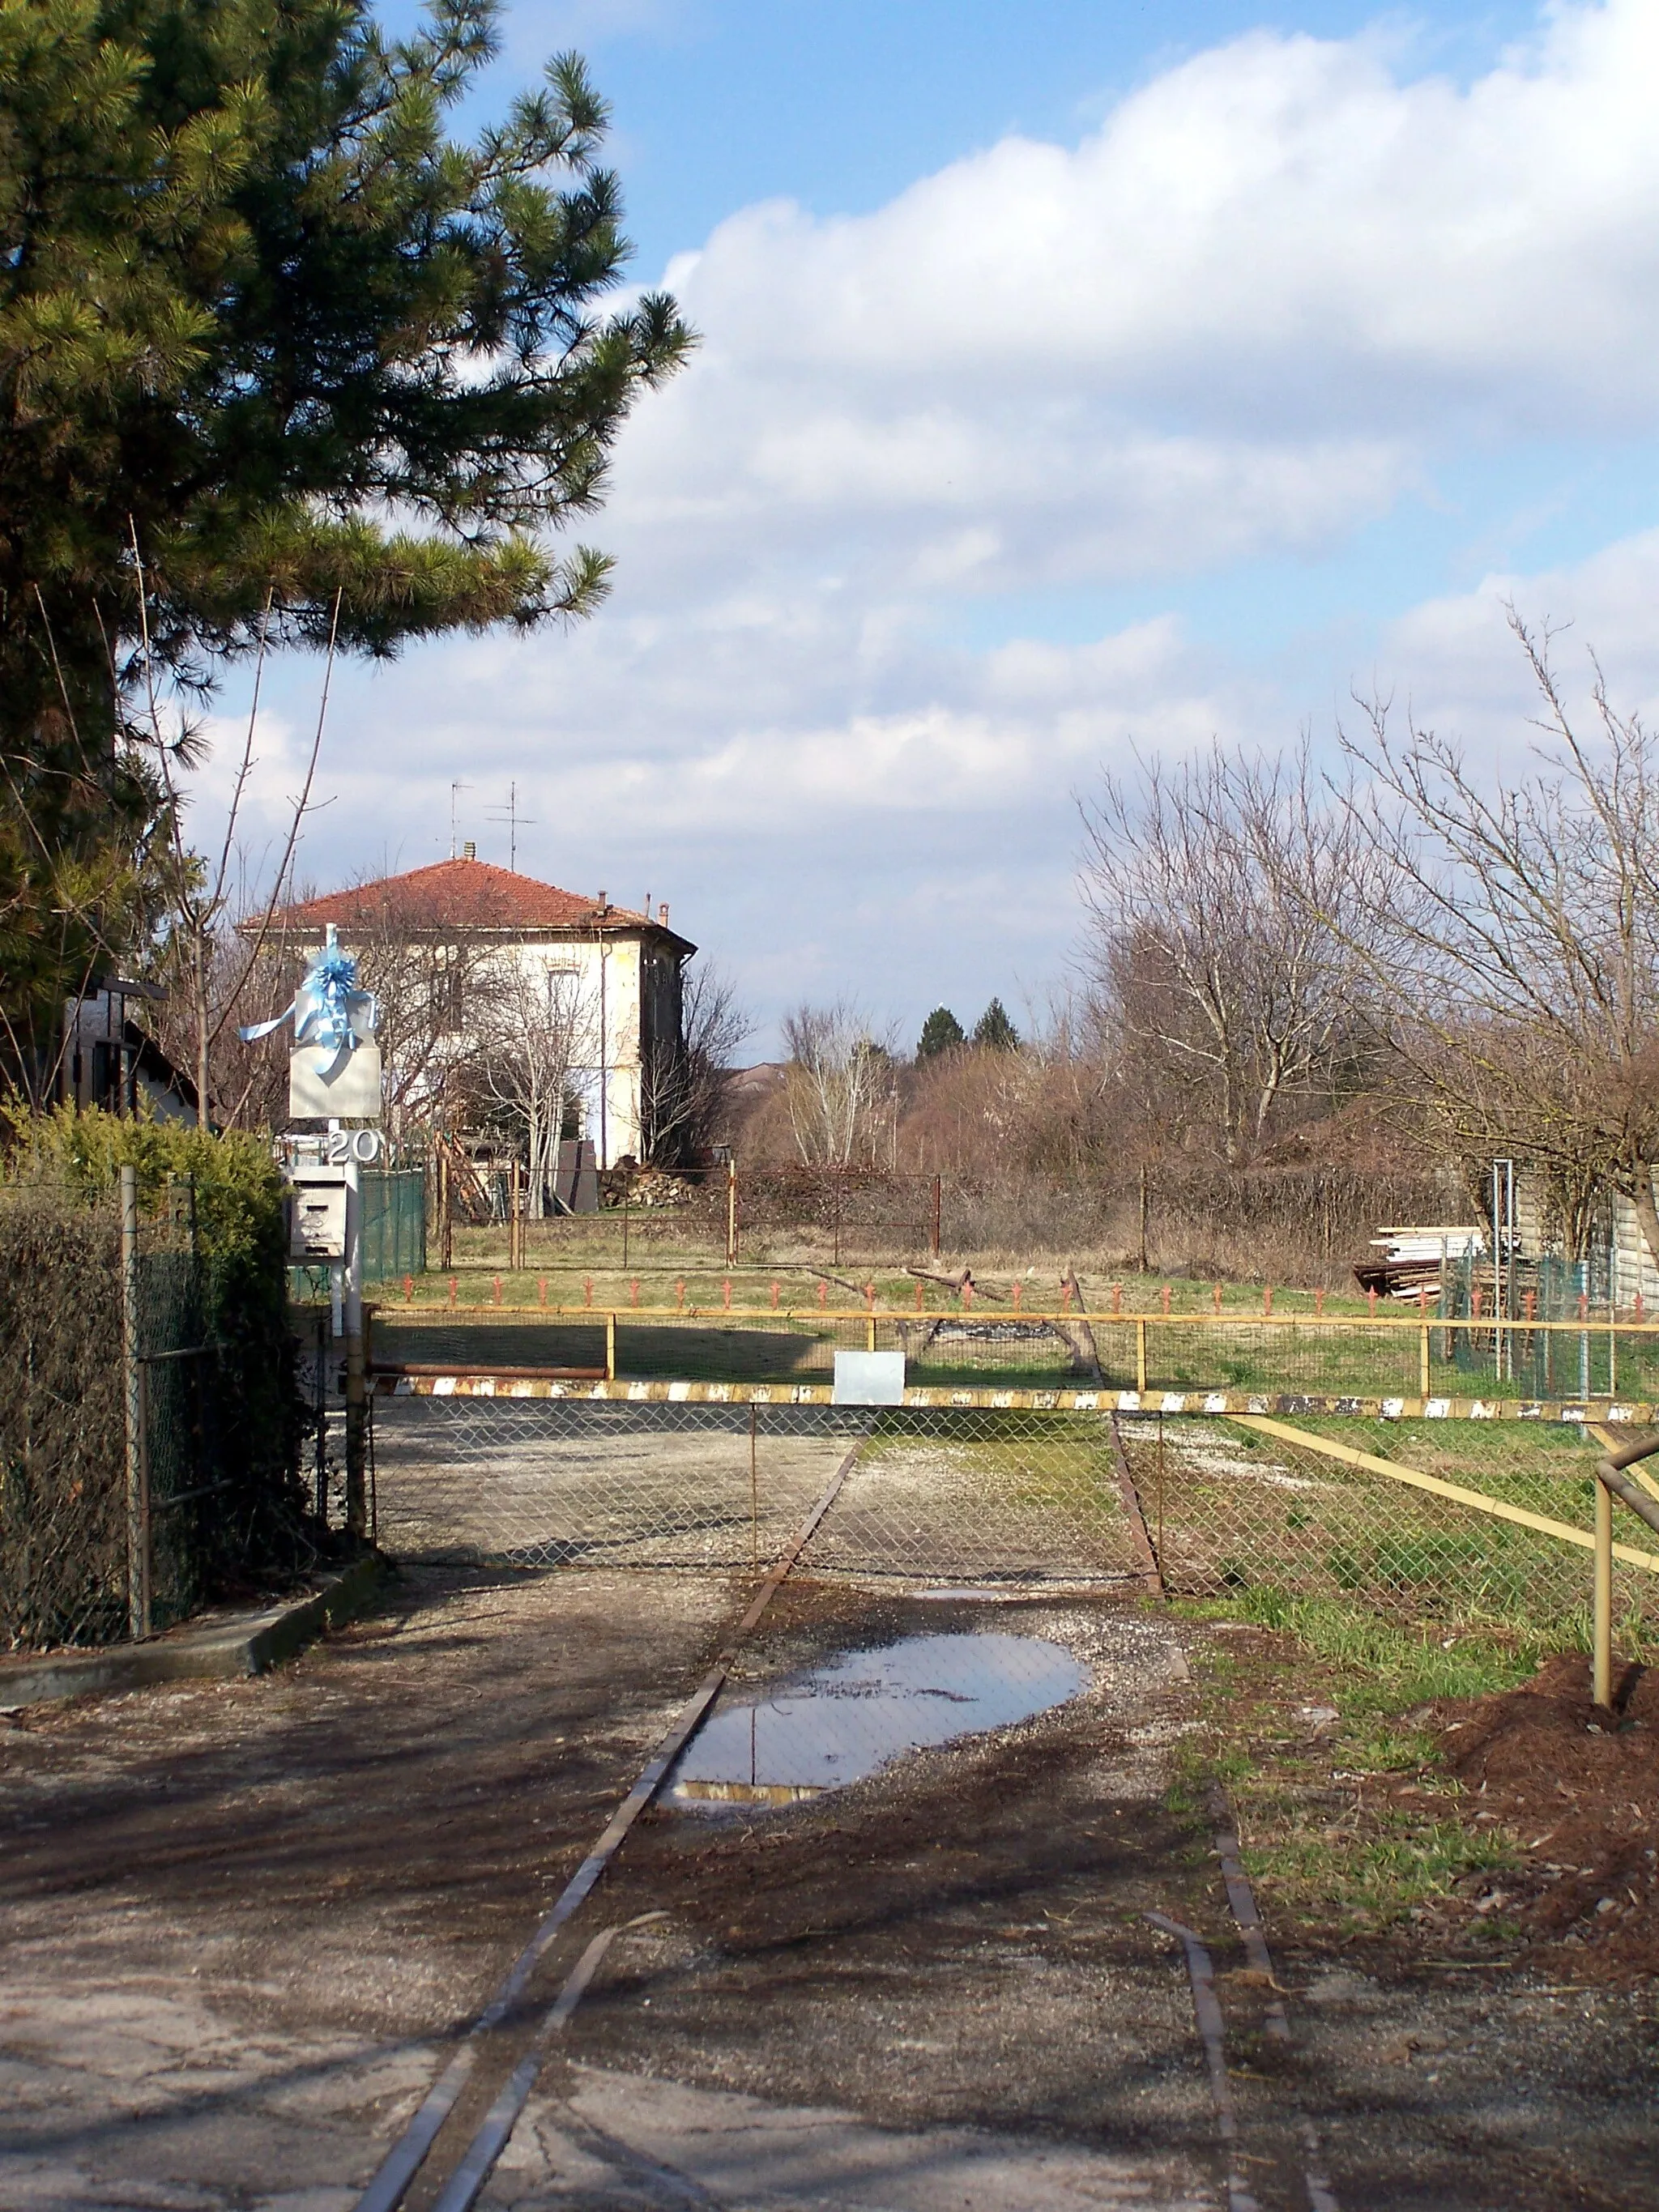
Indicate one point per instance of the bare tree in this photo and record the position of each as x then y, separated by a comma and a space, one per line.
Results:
685, 1079
839, 1084
1517, 972
533, 1029
1209, 889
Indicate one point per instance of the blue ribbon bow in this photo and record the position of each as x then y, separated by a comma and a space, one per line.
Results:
327, 1010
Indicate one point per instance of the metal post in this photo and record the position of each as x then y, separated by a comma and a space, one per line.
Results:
730, 1213
754, 1491
445, 1228
1140, 1361
835, 1175
1601, 1663
1584, 1334
324, 1355
137, 1424
610, 1347
1145, 1264
356, 1497
937, 1209
1422, 1363
516, 1231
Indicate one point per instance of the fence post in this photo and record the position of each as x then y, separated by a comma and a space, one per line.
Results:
356, 1408
730, 1213
1141, 1355
516, 1228
939, 1209
1423, 1362
1601, 1639
136, 1424
610, 1347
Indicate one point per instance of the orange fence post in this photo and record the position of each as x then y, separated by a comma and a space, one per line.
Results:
498, 1290
775, 1297
541, 1291
454, 1287
1319, 1304
634, 1292
1117, 1298
1216, 1296
1266, 1299
725, 1293
1166, 1298
1371, 1295
679, 1295
409, 1289
1016, 1290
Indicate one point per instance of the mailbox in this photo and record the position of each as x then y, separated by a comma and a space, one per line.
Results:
317, 1221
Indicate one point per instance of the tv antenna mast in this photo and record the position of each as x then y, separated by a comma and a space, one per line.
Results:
510, 816
455, 791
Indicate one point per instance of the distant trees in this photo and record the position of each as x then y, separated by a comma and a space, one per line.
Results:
941, 1032
841, 1084
994, 1031
1227, 938
1510, 957
684, 1081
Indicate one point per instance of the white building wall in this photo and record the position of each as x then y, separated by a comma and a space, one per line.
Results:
604, 978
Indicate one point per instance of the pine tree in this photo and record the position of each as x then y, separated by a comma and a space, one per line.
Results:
264, 317
994, 1031
940, 1032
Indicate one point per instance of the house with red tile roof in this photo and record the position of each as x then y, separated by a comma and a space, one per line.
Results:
607, 979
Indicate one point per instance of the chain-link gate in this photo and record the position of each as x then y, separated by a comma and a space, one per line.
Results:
538, 1481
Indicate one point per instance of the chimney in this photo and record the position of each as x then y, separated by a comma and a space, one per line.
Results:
662, 913
469, 850
605, 903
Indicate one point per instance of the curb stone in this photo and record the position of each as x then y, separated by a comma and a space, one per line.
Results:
249, 1644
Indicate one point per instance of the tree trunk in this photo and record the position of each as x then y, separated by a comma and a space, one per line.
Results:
199, 994
1647, 1213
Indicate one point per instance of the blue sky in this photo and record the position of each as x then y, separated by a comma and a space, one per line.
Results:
1073, 378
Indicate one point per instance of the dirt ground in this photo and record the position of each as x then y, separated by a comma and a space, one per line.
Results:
241, 1922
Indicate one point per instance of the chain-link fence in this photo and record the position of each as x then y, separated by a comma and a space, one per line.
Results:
540, 1482
147, 1422
977, 1495
63, 1496
1201, 1507
1230, 1508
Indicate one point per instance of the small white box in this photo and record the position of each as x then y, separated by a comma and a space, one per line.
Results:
869, 1378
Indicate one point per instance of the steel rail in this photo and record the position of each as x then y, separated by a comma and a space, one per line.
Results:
392, 2179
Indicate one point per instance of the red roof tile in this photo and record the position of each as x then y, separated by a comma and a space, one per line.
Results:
464, 893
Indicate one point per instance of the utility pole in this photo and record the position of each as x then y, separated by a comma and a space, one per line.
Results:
455, 790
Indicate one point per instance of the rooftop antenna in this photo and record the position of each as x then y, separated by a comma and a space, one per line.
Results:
510, 816
455, 791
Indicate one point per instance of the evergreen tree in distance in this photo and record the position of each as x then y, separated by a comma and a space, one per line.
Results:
262, 312
940, 1032
994, 1031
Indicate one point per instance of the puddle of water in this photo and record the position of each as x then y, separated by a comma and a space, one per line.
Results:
856, 1713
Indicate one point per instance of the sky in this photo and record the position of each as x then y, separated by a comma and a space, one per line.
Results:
1076, 381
